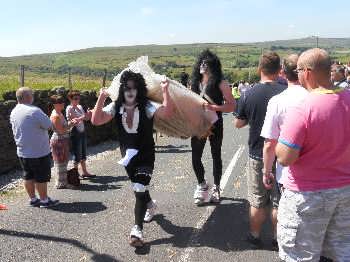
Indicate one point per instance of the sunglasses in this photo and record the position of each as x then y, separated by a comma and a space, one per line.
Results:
59, 102
298, 70
76, 98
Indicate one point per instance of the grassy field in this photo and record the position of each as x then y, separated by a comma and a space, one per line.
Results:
87, 66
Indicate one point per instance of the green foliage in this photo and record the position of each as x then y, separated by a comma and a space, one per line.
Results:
239, 62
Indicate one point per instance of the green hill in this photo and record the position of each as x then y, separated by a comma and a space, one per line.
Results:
87, 65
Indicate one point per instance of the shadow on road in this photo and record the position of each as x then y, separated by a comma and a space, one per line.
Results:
225, 229
172, 149
95, 256
79, 207
102, 183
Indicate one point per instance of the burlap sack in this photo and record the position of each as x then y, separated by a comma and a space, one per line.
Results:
189, 119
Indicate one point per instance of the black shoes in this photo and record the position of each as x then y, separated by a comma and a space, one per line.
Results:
35, 203
254, 241
49, 203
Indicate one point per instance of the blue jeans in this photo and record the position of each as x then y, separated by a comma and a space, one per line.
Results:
79, 145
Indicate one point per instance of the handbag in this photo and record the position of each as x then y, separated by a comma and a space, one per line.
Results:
73, 177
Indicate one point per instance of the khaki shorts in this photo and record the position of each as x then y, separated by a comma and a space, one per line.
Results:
311, 224
258, 195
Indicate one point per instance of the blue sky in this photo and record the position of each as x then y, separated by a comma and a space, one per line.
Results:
41, 26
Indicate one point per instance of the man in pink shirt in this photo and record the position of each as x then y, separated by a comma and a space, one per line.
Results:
314, 209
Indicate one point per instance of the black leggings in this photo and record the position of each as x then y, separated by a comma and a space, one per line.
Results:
140, 175
215, 144
142, 199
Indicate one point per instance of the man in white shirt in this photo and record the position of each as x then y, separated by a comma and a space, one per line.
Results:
338, 76
275, 114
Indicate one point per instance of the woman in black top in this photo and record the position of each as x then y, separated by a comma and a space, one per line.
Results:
134, 113
207, 81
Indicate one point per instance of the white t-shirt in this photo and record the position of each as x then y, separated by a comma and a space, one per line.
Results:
275, 114
151, 108
342, 84
72, 112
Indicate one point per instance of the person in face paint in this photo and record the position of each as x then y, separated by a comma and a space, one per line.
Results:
208, 82
134, 113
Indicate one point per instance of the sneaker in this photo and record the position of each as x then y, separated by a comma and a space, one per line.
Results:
254, 241
215, 194
49, 203
35, 202
136, 237
151, 211
201, 194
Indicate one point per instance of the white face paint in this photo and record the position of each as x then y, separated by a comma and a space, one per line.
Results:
203, 67
130, 96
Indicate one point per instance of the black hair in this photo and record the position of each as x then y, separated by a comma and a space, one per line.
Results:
184, 77
140, 85
214, 67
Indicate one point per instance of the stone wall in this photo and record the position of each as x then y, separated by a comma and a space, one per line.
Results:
8, 157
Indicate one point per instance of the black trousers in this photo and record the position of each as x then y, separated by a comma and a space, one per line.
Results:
215, 145
140, 175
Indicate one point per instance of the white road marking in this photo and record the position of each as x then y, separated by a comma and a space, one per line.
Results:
230, 167
210, 209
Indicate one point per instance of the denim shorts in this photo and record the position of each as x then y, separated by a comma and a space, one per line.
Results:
79, 145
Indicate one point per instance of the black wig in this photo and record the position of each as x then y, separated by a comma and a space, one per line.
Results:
140, 85
214, 67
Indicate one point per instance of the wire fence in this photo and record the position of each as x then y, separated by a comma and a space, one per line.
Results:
70, 79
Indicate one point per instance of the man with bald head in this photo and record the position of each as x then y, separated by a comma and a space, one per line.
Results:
314, 210
30, 127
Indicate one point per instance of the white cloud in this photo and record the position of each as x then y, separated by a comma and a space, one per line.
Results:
147, 11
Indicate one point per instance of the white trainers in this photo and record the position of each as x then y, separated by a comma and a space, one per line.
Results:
215, 194
136, 237
151, 211
201, 194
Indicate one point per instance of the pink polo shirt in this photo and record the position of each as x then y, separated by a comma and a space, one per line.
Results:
320, 129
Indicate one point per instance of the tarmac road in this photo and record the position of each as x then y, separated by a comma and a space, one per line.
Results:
93, 223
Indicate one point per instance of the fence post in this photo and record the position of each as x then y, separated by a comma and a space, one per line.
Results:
104, 78
69, 79
21, 75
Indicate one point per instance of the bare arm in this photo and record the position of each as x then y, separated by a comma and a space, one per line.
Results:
286, 155
58, 125
99, 117
269, 154
167, 108
229, 104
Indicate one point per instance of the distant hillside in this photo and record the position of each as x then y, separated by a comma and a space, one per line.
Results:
115, 58
239, 61
328, 43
